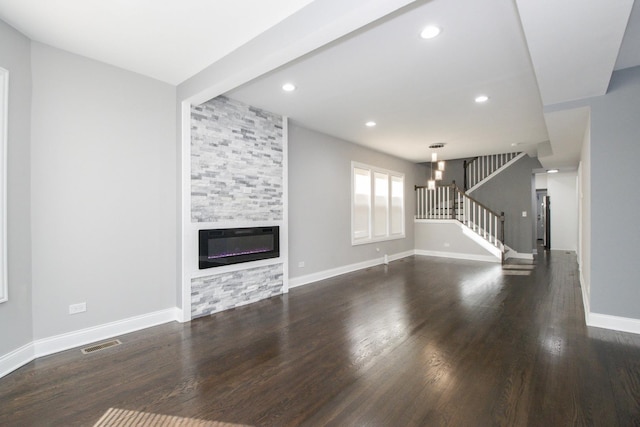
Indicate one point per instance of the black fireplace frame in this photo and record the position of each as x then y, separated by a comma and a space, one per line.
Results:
204, 236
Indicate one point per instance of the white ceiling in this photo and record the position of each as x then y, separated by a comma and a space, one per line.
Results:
518, 52
629, 55
168, 40
574, 48
418, 91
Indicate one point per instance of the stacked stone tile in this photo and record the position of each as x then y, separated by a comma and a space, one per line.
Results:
236, 163
236, 177
228, 290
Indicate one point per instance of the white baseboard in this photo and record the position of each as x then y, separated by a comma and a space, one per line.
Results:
518, 255
17, 358
43, 347
585, 297
512, 253
295, 282
401, 255
457, 255
616, 323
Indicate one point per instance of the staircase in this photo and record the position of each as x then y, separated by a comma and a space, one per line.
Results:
482, 168
450, 202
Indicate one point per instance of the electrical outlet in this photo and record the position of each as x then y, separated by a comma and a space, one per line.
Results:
77, 308
447, 244
524, 214
301, 264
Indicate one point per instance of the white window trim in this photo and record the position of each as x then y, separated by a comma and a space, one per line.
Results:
4, 114
389, 173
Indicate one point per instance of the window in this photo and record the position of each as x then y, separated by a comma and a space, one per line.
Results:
377, 204
361, 203
4, 88
397, 205
380, 204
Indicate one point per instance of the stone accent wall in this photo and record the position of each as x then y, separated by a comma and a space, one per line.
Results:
219, 292
237, 175
236, 163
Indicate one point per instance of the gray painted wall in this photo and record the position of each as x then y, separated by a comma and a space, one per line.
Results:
103, 192
510, 192
453, 171
449, 238
320, 202
615, 149
16, 327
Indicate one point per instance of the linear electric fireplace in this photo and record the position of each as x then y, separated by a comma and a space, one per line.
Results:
227, 246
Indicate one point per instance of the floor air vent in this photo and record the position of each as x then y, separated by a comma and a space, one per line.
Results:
101, 346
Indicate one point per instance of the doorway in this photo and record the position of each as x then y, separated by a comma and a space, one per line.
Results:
543, 218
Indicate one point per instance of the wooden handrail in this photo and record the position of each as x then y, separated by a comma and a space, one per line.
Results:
476, 202
465, 166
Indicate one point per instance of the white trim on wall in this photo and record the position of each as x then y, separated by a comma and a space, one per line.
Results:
4, 114
284, 228
16, 359
327, 274
616, 323
185, 209
457, 255
585, 296
512, 253
44, 347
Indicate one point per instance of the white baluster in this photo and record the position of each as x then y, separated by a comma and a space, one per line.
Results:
484, 223
491, 228
446, 195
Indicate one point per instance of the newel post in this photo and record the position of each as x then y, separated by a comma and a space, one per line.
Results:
465, 164
502, 227
453, 199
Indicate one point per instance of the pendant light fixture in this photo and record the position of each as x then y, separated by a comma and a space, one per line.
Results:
431, 184
438, 174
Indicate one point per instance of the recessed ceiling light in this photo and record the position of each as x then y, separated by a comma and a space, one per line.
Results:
552, 171
481, 98
370, 124
288, 87
430, 32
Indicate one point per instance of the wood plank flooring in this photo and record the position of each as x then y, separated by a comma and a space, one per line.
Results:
420, 342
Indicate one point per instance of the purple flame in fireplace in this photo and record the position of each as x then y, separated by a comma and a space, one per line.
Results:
253, 251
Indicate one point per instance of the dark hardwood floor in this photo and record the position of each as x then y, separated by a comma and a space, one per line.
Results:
421, 342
